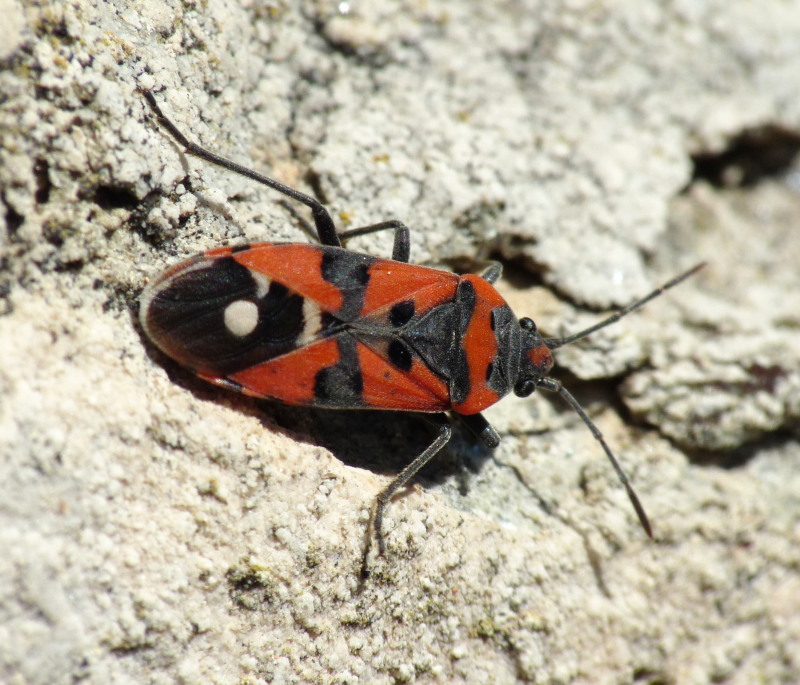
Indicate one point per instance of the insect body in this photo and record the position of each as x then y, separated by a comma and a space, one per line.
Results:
325, 327
322, 326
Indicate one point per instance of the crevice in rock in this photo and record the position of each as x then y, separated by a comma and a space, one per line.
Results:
752, 156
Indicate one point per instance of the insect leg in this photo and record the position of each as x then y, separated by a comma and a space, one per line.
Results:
481, 428
383, 499
401, 252
553, 385
492, 272
326, 230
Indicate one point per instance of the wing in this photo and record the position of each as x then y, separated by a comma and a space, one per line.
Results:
228, 309
217, 315
342, 372
359, 361
350, 285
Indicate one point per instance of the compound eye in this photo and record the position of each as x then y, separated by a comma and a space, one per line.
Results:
524, 387
527, 324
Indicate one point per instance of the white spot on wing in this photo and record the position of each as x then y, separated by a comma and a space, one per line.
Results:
262, 283
241, 317
312, 322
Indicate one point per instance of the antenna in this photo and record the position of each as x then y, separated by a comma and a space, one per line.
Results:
555, 343
552, 385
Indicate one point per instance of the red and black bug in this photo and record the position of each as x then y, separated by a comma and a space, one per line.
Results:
322, 326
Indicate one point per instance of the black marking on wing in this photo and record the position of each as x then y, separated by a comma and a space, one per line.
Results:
401, 313
186, 318
400, 355
340, 386
348, 271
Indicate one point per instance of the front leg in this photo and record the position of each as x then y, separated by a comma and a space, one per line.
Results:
482, 429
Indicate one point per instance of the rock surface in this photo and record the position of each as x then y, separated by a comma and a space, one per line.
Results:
157, 529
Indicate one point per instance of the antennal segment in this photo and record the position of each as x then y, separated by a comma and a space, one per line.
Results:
552, 385
555, 343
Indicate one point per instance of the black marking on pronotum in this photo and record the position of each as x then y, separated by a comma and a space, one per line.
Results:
460, 384
503, 370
